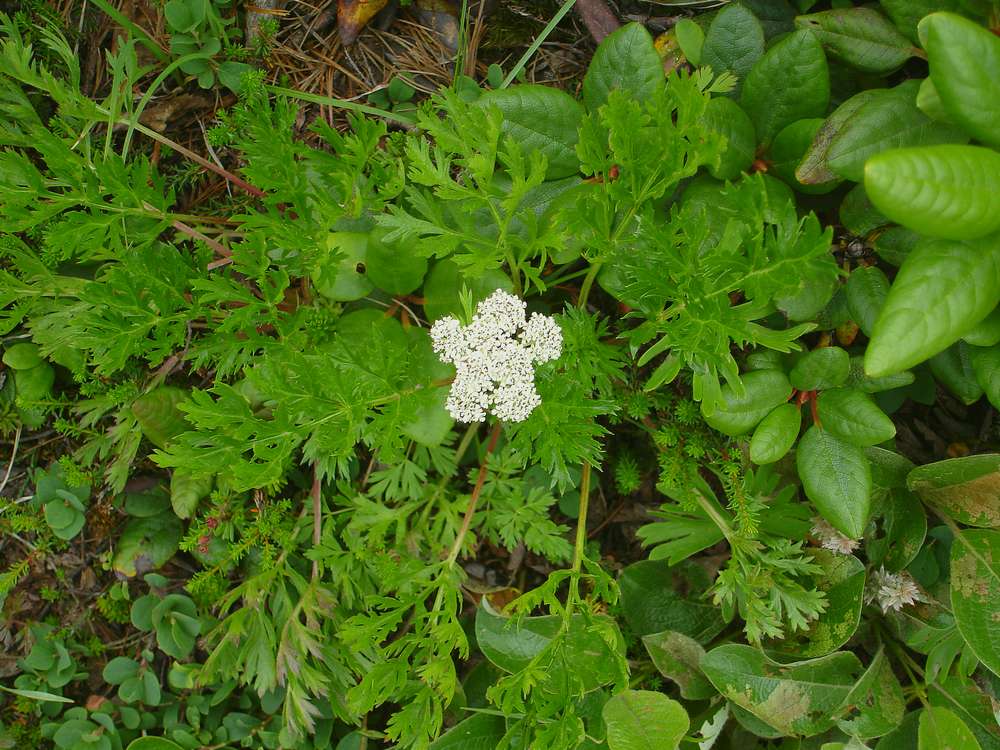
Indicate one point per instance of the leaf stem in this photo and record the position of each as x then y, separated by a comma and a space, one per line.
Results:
470, 510
588, 281
581, 521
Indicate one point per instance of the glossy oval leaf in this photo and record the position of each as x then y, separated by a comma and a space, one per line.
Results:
949, 191
738, 413
962, 279
677, 657
826, 367
975, 592
986, 367
540, 118
964, 59
153, 743
775, 435
854, 417
836, 477
790, 82
626, 59
734, 42
644, 720
862, 38
941, 729
726, 117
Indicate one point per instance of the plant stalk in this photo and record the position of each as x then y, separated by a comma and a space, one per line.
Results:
470, 510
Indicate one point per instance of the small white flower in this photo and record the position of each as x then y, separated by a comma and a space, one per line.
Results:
893, 591
831, 539
495, 357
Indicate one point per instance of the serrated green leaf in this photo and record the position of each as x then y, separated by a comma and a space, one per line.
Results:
948, 191
964, 59
862, 38
644, 720
790, 82
627, 60
962, 279
836, 477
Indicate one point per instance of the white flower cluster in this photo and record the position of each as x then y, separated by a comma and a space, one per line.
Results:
495, 357
893, 591
831, 539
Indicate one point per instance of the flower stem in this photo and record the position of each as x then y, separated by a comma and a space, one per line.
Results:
470, 510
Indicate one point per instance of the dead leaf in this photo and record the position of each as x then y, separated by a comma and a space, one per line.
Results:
354, 15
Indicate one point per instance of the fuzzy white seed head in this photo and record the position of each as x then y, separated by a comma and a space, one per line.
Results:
893, 591
495, 357
831, 539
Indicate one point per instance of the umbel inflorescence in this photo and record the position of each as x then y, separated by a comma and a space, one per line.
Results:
495, 357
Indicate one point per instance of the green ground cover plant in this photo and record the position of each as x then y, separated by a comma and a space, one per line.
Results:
351, 441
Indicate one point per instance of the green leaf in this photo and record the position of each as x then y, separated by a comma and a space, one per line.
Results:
146, 544
842, 580
644, 720
341, 273
802, 698
626, 59
153, 743
120, 669
836, 477
964, 59
962, 279
36, 695
862, 38
159, 418
941, 729
734, 41
875, 703
186, 491
776, 434
22, 356
740, 412
445, 282
906, 14
394, 267
478, 732
656, 597
953, 369
691, 40
788, 149
975, 592
826, 367
790, 82
854, 417
966, 489
511, 644
986, 366
964, 697
949, 191
901, 526
867, 290
727, 118
986, 332
860, 380
677, 657
541, 118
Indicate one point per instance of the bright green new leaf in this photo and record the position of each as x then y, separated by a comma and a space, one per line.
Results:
975, 592
790, 82
644, 720
964, 59
949, 191
625, 60
960, 279
862, 38
837, 478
